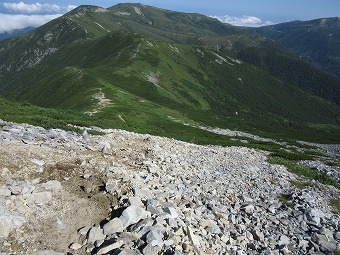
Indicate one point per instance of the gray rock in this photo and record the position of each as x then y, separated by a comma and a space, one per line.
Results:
327, 246
171, 212
152, 207
86, 136
40, 198
152, 168
95, 234
38, 162
258, 235
5, 192
136, 201
337, 235
248, 208
60, 225
110, 247
127, 252
284, 240
314, 215
113, 226
328, 233
310, 200
20, 188
49, 252
154, 238
83, 231
53, 185
193, 238
142, 193
9, 222
89, 187
273, 207
149, 250
107, 149
75, 246
132, 215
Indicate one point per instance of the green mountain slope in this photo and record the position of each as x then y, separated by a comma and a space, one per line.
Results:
201, 30
83, 62
317, 41
275, 59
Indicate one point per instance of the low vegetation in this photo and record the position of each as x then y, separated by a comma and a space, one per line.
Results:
304, 171
335, 203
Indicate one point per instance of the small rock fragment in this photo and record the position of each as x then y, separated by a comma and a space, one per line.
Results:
75, 246
107, 149
110, 247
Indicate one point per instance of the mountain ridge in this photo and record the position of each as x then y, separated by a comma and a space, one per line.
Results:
317, 41
68, 61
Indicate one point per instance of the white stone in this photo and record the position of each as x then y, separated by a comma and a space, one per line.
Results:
110, 247
48, 252
113, 226
38, 162
60, 225
337, 235
248, 208
284, 240
20, 188
193, 238
258, 235
87, 176
142, 193
75, 246
83, 231
127, 252
154, 238
86, 136
9, 222
40, 198
5, 192
315, 215
53, 185
133, 214
172, 213
107, 149
149, 250
5, 172
95, 234
136, 201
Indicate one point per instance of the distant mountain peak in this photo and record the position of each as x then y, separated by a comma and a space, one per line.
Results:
84, 9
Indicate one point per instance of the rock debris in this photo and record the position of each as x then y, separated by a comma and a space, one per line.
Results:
125, 193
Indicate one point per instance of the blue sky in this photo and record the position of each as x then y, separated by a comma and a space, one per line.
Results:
20, 14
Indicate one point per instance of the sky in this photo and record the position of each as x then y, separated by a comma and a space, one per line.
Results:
21, 14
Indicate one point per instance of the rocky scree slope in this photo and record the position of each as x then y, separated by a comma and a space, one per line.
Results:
126, 193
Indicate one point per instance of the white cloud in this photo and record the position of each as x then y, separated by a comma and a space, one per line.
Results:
248, 21
9, 22
21, 15
37, 8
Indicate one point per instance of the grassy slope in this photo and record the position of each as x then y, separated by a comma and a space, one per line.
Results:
197, 29
192, 85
